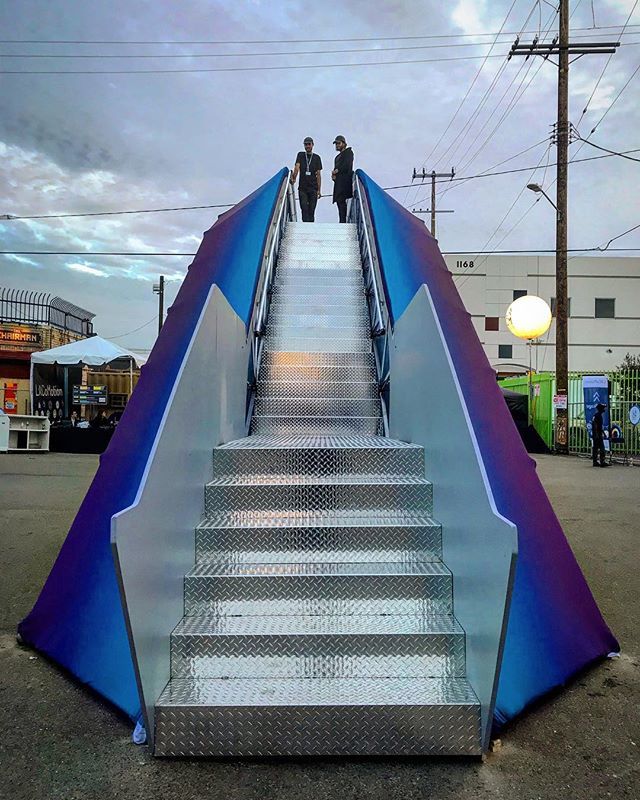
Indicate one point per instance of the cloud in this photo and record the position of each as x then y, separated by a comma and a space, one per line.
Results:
88, 270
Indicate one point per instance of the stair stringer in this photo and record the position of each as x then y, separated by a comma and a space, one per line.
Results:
479, 545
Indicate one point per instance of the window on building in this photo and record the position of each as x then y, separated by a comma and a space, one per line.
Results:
505, 351
519, 293
492, 323
605, 307
553, 307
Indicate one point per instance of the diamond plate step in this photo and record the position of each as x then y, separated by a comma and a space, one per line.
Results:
349, 294
320, 426
312, 406
318, 588
318, 647
303, 455
326, 344
308, 303
284, 358
290, 321
318, 334
317, 389
311, 277
327, 716
379, 495
391, 541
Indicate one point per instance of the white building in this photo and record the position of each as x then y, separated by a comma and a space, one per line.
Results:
604, 308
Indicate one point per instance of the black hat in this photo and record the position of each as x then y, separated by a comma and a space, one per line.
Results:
339, 139
307, 140
601, 406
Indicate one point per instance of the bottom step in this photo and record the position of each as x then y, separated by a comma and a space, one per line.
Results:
324, 716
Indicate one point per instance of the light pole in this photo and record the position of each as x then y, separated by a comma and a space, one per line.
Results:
562, 320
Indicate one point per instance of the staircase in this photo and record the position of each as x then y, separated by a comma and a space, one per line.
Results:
319, 614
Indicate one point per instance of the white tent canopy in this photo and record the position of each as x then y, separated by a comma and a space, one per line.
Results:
93, 352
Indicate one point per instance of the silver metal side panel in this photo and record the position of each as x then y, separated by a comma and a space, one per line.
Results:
153, 539
479, 545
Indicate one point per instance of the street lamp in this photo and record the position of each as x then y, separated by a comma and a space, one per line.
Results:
529, 317
535, 187
562, 320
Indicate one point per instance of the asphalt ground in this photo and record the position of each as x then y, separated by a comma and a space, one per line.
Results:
58, 740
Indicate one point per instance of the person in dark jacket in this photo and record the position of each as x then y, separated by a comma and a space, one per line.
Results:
309, 166
342, 176
597, 434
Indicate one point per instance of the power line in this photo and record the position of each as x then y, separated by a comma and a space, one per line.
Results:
606, 150
287, 41
604, 69
135, 330
12, 217
237, 69
269, 53
89, 253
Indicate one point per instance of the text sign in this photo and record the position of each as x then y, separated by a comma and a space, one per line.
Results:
90, 395
560, 402
634, 415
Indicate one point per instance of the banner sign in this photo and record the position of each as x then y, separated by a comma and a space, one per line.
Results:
634, 415
52, 390
20, 336
90, 395
595, 389
10, 401
560, 402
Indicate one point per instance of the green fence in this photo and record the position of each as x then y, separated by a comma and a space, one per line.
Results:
624, 392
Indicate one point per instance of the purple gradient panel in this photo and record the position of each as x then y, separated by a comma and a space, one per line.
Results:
78, 619
555, 627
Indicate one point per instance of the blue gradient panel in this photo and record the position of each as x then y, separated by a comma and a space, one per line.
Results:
78, 619
555, 627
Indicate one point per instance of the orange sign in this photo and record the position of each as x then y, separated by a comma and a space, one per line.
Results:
10, 404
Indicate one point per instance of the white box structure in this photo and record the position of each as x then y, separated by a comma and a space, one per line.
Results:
20, 433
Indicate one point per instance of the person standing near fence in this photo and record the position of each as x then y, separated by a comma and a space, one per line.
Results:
342, 176
309, 167
597, 434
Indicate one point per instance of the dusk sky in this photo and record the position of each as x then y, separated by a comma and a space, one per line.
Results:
80, 143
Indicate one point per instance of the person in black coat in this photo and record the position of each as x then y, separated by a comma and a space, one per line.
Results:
342, 176
597, 434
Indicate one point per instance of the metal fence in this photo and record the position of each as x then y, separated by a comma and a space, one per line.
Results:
41, 308
624, 392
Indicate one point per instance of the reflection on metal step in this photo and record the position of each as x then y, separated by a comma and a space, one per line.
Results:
317, 647
321, 426
318, 588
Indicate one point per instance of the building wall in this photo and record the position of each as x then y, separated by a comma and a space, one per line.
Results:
486, 285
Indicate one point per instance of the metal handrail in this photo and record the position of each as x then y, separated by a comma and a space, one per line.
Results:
284, 212
378, 312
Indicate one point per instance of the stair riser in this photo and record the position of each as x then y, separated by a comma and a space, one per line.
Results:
317, 594
355, 389
321, 332
350, 302
329, 345
284, 358
334, 656
321, 373
256, 731
317, 461
310, 406
349, 294
316, 426
286, 320
338, 277
372, 499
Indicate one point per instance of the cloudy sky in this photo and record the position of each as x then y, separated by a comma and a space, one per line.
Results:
121, 140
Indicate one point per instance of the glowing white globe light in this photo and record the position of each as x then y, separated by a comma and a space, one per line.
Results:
528, 317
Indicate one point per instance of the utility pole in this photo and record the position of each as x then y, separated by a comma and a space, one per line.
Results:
423, 175
158, 288
562, 47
